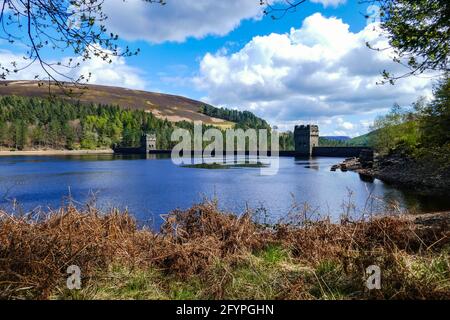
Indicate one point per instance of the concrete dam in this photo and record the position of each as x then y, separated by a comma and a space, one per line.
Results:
306, 139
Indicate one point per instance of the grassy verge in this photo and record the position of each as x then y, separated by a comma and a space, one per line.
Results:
202, 253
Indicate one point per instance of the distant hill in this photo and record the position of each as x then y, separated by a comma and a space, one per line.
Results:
337, 138
361, 141
163, 106
364, 140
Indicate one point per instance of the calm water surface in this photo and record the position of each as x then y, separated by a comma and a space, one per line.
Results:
149, 187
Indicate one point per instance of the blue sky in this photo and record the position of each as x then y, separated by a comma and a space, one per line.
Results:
173, 58
310, 66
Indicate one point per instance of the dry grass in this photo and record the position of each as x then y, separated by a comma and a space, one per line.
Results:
208, 254
163, 106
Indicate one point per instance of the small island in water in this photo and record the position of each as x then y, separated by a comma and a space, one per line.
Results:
220, 166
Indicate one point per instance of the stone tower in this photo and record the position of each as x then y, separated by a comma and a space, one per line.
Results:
306, 139
148, 142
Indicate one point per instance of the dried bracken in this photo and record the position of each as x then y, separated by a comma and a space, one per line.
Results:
230, 256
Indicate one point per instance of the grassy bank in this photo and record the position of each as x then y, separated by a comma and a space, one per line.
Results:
202, 253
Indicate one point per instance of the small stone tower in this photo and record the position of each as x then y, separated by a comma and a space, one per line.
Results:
148, 142
306, 139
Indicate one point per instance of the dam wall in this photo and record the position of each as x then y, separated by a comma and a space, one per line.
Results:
338, 152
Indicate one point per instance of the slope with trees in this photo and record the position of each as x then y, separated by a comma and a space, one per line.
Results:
414, 143
243, 119
35, 123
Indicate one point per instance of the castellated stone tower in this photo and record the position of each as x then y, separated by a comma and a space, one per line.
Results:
148, 142
306, 139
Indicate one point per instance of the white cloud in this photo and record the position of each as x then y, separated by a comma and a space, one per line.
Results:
366, 124
116, 73
340, 133
320, 70
178, 19
329, 3
331, 125
181, 19
344, 125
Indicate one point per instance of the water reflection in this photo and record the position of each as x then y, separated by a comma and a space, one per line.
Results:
151, 185
314, 167
366, 178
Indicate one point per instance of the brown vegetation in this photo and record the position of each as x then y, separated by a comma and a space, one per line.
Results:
163, 106
205, 253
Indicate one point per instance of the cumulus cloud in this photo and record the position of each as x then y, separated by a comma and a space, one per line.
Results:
319, 70
344, 125
180, 19
116, 73
329, 3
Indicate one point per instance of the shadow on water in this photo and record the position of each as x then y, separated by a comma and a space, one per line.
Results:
366, 178
317, 168
414, 201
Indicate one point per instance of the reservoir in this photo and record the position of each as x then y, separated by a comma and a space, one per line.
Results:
151, 186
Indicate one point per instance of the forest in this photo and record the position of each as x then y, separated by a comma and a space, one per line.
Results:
243, 119
419, 130
36, 123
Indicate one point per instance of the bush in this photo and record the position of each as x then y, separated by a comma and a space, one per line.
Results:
202, 253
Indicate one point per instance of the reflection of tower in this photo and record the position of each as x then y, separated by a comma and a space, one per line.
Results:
148, 142
306, 139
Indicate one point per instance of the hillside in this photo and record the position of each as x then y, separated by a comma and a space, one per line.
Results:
34, 123
163, 106
243, 119
364, 140
337, 138
361, 141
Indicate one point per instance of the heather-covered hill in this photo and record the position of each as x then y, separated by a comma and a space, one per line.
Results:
163, 106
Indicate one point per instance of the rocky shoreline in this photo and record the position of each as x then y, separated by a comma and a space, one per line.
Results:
422, 177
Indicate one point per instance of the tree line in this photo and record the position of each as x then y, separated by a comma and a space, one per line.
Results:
420, 130
37, 123
287, 141
243, 119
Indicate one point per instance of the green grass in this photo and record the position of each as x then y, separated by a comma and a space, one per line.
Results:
221, 256
262, 276
274, 255
265, 275
190, 289
331, 282
121, 284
